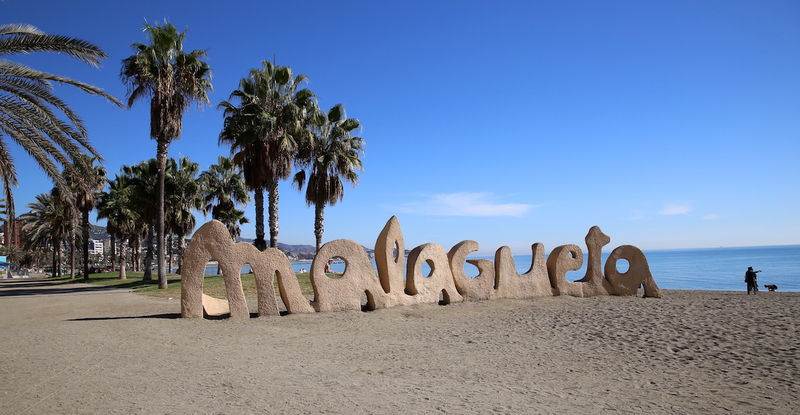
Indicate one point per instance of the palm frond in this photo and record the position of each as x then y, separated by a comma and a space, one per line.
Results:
40, 42
19, 29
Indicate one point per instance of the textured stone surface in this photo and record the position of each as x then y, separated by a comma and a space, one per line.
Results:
275, 263
427, 289
510, 284
594, 282
390, 261
361, 284
213, 242
345, 291
562, 259
482, 286
638, 273
216, 307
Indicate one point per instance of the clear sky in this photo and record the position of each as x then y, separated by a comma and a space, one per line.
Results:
670, 124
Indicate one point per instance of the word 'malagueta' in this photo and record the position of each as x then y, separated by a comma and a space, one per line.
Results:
396, 282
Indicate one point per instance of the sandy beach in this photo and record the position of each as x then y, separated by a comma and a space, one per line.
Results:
75, 348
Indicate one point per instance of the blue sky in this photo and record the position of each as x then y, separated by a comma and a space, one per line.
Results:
670, 124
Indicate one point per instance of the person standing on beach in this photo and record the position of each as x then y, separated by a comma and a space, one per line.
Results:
751, 278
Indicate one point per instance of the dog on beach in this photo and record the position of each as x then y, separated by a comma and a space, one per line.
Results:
771, 287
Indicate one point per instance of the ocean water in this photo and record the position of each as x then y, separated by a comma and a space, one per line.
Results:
684, 269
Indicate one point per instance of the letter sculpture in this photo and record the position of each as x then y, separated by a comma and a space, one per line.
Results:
390, 286
213, 242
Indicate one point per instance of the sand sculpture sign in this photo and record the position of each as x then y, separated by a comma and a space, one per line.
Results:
399, 283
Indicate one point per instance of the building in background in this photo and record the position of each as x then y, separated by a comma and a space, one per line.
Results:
95, 247
6, 238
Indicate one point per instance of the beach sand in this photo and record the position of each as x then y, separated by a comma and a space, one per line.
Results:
74, 348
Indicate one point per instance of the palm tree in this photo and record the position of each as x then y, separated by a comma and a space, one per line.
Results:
119, 207
173, 79
333, 155
183, 195
49, 222
72, 243
75, 183
144, 179
223, 189
91, 179
232, 218
31, 115
264, 132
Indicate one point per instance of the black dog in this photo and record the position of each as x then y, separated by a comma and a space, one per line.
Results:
771, 287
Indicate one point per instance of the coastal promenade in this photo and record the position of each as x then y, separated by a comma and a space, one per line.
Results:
71, 347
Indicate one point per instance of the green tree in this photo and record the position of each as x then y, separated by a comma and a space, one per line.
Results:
334, 155
172, 79
31, 115
224, 189
232, 219
90, 180
183, 195
264, 129
144, 178
50, 221
118, 206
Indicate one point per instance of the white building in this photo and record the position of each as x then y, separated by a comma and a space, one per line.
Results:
95, 247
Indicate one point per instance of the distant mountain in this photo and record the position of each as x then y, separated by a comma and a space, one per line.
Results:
98, 232
299, 251
304, 251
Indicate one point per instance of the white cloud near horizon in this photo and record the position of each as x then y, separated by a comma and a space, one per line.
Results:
675, 209
464, 204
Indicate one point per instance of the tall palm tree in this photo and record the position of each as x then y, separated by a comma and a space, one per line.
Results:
72, 242
333, 155
264, 131
75, 183
223, 190
172, 79
31, 115
90, 180
118, 205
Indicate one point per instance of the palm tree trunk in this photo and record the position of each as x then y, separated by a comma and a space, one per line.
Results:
85, 226
113, 253
319, 219
169, 252
132, 249
58, 258
260, 243
123, 275
273, 214
53, 271
72, 257
181, 244
11, 222
137, 254
148, 256
162, 166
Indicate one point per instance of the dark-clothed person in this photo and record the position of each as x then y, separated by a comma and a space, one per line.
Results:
751, 278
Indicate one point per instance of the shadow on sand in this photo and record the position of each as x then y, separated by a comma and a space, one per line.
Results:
14, 288
167, 316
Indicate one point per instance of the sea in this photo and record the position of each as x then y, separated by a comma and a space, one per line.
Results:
679, 269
